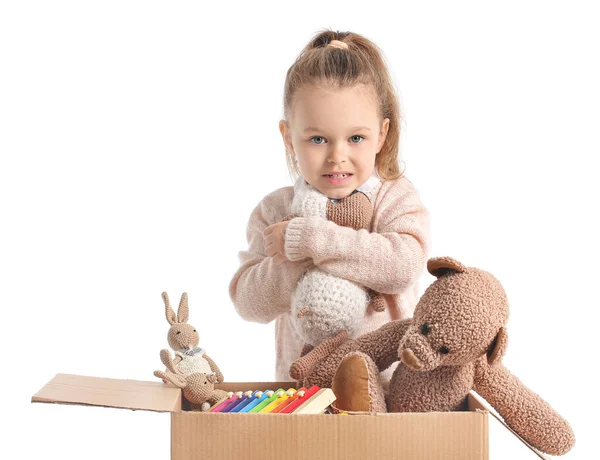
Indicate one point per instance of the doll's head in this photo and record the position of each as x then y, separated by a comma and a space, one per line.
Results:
341, 114
181, 335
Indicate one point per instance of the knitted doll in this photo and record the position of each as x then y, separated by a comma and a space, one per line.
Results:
183, 339
322, 304
453, 344
198, 387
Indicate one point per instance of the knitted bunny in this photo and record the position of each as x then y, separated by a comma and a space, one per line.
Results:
323, 304
198, 387
183, 339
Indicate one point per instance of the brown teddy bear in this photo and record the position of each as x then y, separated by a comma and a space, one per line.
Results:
453, 344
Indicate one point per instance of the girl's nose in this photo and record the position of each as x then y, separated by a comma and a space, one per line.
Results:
337, 154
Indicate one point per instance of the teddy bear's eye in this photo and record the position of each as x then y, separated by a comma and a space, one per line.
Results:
179, 332
444, 350
425, 329
194, 330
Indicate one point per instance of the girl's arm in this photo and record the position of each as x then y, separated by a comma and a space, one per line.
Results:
387, 260
259, 289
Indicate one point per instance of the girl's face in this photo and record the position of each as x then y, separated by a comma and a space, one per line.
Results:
335, 136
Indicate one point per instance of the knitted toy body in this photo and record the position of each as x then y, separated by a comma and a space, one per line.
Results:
193, 361
453, 344
198, 387
322, 304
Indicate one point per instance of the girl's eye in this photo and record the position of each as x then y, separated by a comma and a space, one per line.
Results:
354, 139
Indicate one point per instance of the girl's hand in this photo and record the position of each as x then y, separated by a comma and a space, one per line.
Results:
274, 241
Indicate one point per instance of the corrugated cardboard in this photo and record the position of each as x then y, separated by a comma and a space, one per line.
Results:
206, 436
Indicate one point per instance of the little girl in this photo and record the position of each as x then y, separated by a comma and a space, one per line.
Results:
341, 132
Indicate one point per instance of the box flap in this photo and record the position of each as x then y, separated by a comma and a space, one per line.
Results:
477, 402
98, 391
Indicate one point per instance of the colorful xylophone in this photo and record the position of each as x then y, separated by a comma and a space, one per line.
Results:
313, 400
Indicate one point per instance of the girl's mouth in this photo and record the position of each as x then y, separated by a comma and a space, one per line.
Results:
338, 179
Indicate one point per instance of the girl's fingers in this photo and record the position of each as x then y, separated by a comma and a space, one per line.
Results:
269, 240
279, 258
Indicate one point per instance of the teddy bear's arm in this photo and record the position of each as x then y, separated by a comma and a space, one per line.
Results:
523, 410
382, 344
214, 368
303, 366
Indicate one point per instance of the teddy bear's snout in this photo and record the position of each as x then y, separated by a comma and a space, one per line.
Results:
409, 359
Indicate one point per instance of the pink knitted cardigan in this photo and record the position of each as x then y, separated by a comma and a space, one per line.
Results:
389, 258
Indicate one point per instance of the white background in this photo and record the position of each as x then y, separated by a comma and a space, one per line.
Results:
137, 137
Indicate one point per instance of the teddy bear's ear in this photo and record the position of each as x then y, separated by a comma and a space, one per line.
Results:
439, 266
498, 347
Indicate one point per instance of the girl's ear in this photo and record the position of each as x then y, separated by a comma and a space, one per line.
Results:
170, 314
286, 134
383, 133
183, 310
439, 266
498, 347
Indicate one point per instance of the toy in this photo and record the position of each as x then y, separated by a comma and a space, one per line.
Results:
453, 344
323, 304
198, 387
183, 339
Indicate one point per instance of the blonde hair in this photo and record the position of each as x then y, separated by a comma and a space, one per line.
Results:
338, 60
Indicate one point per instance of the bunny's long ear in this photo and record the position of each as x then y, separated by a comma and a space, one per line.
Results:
183, 310
498, 347
172, 378
439, 266
171, 318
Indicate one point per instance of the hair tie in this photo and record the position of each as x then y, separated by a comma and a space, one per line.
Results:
338, 44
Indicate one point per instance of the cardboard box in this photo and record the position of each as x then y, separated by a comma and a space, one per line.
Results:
207, 436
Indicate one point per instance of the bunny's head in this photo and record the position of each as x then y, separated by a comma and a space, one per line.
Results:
197, 387
181, 335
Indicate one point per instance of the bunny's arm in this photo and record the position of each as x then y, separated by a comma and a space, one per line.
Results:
388, 260
214, 368
523, 410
